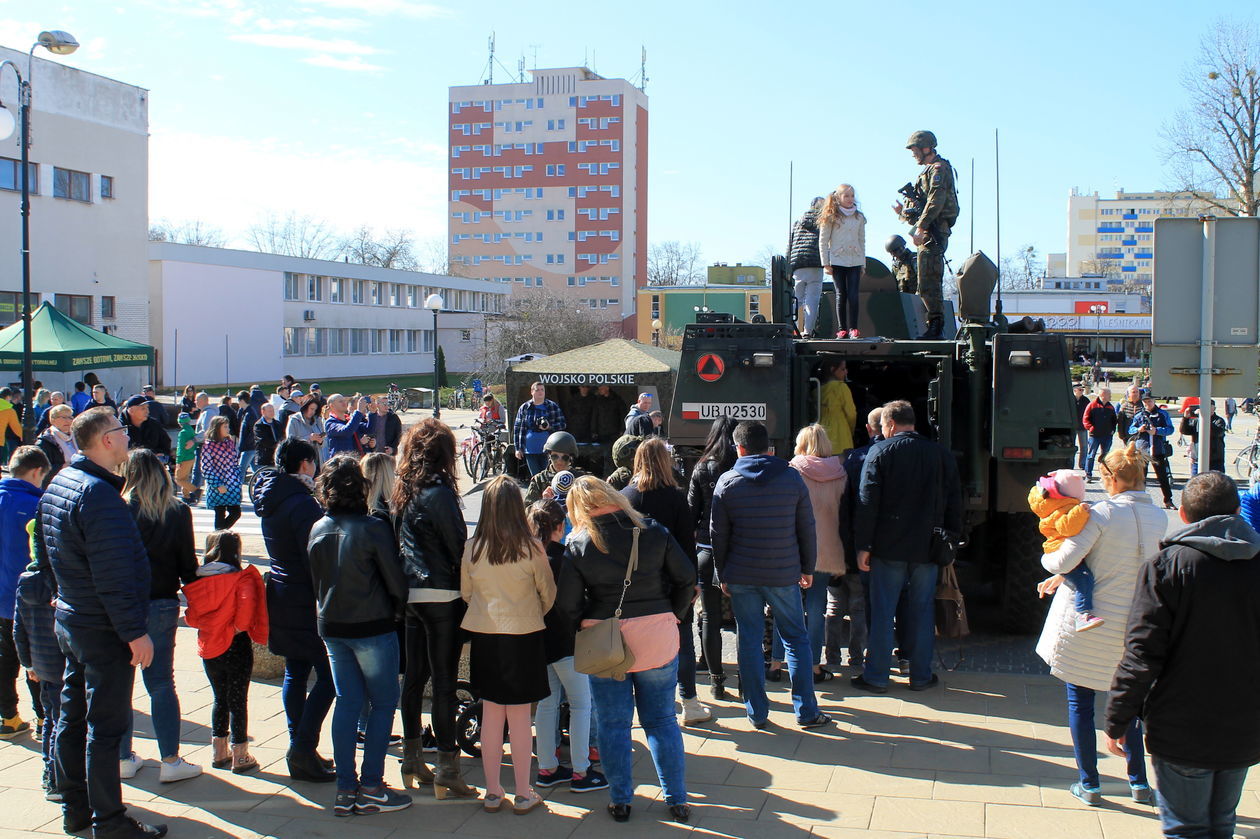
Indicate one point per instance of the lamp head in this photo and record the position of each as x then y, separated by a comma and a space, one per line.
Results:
58, 42
7, 122
434, 302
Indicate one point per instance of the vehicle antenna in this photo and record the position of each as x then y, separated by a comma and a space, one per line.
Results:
791, 186
997, 191
972, 247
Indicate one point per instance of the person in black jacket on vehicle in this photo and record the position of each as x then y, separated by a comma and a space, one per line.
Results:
717, 459
805, 263
144, 432
102, 573
653, 491
431, 536
1191, 654
283, 500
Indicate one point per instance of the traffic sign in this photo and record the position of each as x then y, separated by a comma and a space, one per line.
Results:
710, 367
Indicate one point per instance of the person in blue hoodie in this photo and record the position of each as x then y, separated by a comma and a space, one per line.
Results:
19, 497
36, 642
764, 552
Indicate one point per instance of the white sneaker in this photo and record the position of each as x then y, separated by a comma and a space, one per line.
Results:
694, 713
1087, 620
180, 770
129, 766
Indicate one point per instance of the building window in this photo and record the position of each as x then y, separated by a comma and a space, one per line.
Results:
754, 304
413, 296
107, 186
395, 340
76, 186
378, 340
292, 283
465, 335
10, 305
358, 341
77, 306
108, 306
11, 175
316, 341
357, 291
336, 341
294, 337
376, 293
413, 340
426, 340
395, 294
336, 290
314, 288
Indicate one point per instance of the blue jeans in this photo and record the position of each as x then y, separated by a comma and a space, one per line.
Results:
687, 656
95, 713
1081, 580
198, 478
364, 670
815, 600
652, 693
50, 698
1098, 448
577, 687
918, 636
247, 460
304, 711
159, 680
749, 603
535, 463
1196, 802
1082, 446
1085, 739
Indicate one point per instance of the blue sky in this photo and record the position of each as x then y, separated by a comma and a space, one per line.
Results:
337, 108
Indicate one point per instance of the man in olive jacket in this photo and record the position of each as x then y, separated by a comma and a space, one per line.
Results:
1191, 654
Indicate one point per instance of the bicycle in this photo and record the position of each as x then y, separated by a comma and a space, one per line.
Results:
1247, 460
483, 452
396, 399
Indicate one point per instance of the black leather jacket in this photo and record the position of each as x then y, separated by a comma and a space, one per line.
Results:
359, 586
591, 580
431, 536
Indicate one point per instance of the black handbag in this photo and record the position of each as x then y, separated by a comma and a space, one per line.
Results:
943, 548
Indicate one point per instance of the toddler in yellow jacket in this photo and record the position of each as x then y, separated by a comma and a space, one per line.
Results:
1058, 501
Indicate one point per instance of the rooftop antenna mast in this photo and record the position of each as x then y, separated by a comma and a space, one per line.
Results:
490, 73
643, 77
520, 69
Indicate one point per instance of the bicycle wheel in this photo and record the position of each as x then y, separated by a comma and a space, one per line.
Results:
494, 462
481, 467
1245, 462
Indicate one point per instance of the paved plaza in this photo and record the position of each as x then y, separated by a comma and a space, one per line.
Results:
987, 754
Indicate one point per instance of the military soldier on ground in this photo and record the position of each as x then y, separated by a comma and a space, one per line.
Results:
933, 219
561, 449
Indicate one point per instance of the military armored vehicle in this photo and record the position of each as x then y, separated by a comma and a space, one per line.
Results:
998, 395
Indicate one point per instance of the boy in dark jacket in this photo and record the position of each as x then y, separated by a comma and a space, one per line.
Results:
19, 497
37, 649
1191, 654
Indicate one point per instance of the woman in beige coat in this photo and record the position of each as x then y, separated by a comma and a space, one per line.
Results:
1123, 531
507, 582
826, 479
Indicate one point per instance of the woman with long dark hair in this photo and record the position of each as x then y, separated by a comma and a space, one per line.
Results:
718, 457
431, 536
166, 527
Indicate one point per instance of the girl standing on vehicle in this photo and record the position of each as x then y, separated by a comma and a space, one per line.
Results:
842, 250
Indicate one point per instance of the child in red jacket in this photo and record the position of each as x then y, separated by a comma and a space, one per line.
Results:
227, 606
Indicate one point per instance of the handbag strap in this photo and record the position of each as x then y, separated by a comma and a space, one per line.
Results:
630, 569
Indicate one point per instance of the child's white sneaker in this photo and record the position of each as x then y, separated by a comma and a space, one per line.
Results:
129, 766
178, 770
1087, 620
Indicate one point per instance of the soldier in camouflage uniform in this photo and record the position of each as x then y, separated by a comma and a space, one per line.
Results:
904, 265
932, 224
562, 451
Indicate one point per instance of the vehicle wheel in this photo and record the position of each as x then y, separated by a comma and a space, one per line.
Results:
1023, 612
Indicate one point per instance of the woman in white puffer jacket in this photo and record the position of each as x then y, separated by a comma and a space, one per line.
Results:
1122, 533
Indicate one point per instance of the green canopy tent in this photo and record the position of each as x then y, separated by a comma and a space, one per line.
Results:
62, 345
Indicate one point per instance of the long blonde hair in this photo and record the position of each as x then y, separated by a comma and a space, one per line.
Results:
813, 440
653, 467
590, 493
831, 207
503, 533
148, 486
378, 468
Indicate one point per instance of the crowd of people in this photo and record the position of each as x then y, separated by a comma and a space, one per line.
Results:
375, 586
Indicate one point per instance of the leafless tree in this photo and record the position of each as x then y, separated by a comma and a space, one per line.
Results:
434, 256
1214, 143
675, 263
394, 249
294, 235
539, 321
194, 232
1022, 271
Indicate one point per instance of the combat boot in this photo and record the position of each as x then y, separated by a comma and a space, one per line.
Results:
934, 329
448, 781
414, 769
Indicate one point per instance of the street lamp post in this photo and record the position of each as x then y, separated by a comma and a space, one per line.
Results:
1098, 310
58, 43
434, 303
656, 332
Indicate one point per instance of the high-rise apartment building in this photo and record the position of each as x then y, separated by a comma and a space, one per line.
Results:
548, 187
1115, 237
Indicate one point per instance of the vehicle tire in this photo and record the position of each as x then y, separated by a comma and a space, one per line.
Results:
1023, 612
468, 729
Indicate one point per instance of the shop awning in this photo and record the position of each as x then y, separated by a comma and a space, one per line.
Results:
61, 344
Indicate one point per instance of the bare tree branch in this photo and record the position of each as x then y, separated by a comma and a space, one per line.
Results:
294, 235
395, 249
542, 322
675, 263
1022, 271
194, 232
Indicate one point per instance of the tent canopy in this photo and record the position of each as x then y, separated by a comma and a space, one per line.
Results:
61, 344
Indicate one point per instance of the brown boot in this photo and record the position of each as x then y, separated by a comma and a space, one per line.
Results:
449, 782
414, 769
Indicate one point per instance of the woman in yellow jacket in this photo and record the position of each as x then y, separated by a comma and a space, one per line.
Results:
839, 414
507, 581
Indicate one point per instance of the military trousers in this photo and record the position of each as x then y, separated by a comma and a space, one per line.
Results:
931, 270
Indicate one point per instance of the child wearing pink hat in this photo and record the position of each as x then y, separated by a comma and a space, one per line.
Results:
1058, 501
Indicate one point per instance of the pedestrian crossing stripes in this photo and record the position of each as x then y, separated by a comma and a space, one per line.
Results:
203, 522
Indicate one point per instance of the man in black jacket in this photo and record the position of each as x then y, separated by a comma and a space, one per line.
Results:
1191, 654
144, 432
1099, 419
1190, 427
1082, 441
102, 572
909, 487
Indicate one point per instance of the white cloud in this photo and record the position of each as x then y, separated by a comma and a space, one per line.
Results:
338, 46
354, 64
405, 8
231, 183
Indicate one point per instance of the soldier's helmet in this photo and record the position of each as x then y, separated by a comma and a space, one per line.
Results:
563, 442
895, 244
921, 139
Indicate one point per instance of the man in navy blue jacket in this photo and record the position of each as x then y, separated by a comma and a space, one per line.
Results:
764, 550
102, 573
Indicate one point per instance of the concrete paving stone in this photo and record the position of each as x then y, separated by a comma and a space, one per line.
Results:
914, 727
547, 821
918, 815
853, 750
738, 829
26, 809
1003, 789
1132, 825
780, 772
599, 825
1019, 736
1008, 821
851, 833
805, 808
716, 801
331, 827
1035, 764
907, 783
17, 751
955, 756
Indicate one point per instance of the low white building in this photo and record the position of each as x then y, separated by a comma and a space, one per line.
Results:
231, 316
1111, 325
